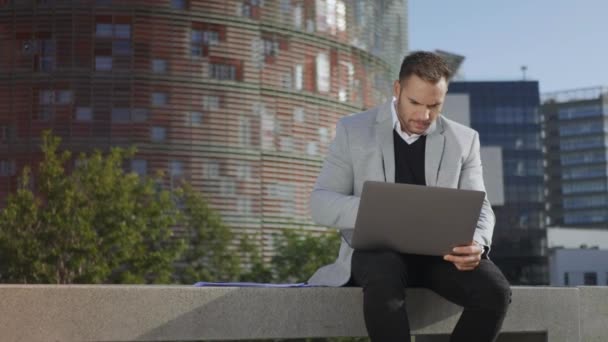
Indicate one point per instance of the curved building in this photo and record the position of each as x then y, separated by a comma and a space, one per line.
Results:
240, 98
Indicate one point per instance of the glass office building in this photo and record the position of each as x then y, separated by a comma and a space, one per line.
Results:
576, 140
238, 97
506, 114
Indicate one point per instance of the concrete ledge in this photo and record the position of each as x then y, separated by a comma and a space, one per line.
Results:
184, 313
594, 313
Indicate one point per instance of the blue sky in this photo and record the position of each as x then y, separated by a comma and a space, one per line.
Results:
563, 43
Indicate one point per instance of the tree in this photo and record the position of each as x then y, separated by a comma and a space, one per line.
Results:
300, 253
97, 224
208, 257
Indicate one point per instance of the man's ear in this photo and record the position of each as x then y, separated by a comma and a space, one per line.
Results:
396, 89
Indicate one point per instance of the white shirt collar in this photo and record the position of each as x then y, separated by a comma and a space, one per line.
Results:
408, 138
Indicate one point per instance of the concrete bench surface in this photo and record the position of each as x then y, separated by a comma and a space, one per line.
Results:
66, 313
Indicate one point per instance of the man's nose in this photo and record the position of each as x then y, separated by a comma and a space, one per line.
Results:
423, 114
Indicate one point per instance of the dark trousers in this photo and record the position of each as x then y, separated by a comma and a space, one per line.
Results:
484, 293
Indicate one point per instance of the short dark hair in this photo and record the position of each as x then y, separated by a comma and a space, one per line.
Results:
427, 65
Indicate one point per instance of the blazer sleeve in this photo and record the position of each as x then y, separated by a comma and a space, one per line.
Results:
332, 202
471, 178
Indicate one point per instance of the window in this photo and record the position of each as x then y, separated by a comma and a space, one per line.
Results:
271, 47
103, 30
196, 39
108, 30
64, 97
243, 205
84, 114
175, 168
178, 4
103, 63
243, 171
286, 81
139, 166
159, 99
590, 278
45, 56
297, 17
159, 66
139, 115
311, 148
45, 113
298, 71
47, 97
121, 48
196, 118
323, 135
211, 37
286, 144
158, 133
246, 10
245, 132
121, 115
227, 187
298, 114
220, 71
200, 38
7, 133
340, 15
122, 31
211, 169
211, 102
7, 168
322, 73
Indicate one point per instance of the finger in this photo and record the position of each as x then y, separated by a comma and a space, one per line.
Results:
462, 259
474, 249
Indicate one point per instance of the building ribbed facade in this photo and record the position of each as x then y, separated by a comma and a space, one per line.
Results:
576, 142
240, 98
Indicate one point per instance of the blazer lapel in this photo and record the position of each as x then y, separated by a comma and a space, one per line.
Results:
433, 154
384, 138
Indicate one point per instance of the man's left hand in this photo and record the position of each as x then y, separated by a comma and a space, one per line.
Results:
465, 258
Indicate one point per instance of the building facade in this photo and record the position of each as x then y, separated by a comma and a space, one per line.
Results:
239, 97
506, 115
577, 256
576, 142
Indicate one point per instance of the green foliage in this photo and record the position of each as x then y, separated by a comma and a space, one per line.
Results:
257, 271
299, 253
96, 224
208, 257
100, 224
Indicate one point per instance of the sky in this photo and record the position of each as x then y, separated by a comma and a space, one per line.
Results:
564, 44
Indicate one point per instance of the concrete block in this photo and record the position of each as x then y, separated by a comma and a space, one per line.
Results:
594, 313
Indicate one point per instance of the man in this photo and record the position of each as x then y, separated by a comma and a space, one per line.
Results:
406, 140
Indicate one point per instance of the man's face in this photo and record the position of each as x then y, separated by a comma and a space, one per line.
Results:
418, 102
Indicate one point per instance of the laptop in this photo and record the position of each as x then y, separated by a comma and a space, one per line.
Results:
415, 219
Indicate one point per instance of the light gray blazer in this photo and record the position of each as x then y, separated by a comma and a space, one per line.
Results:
363, 150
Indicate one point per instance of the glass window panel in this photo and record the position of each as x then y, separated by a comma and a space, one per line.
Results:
139, 115
103, 30
196, 118
139, 166
178, 4
121, 115
103, 63
159, 65
84, 114
159, 99
122, 31
158, 133
121, 48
